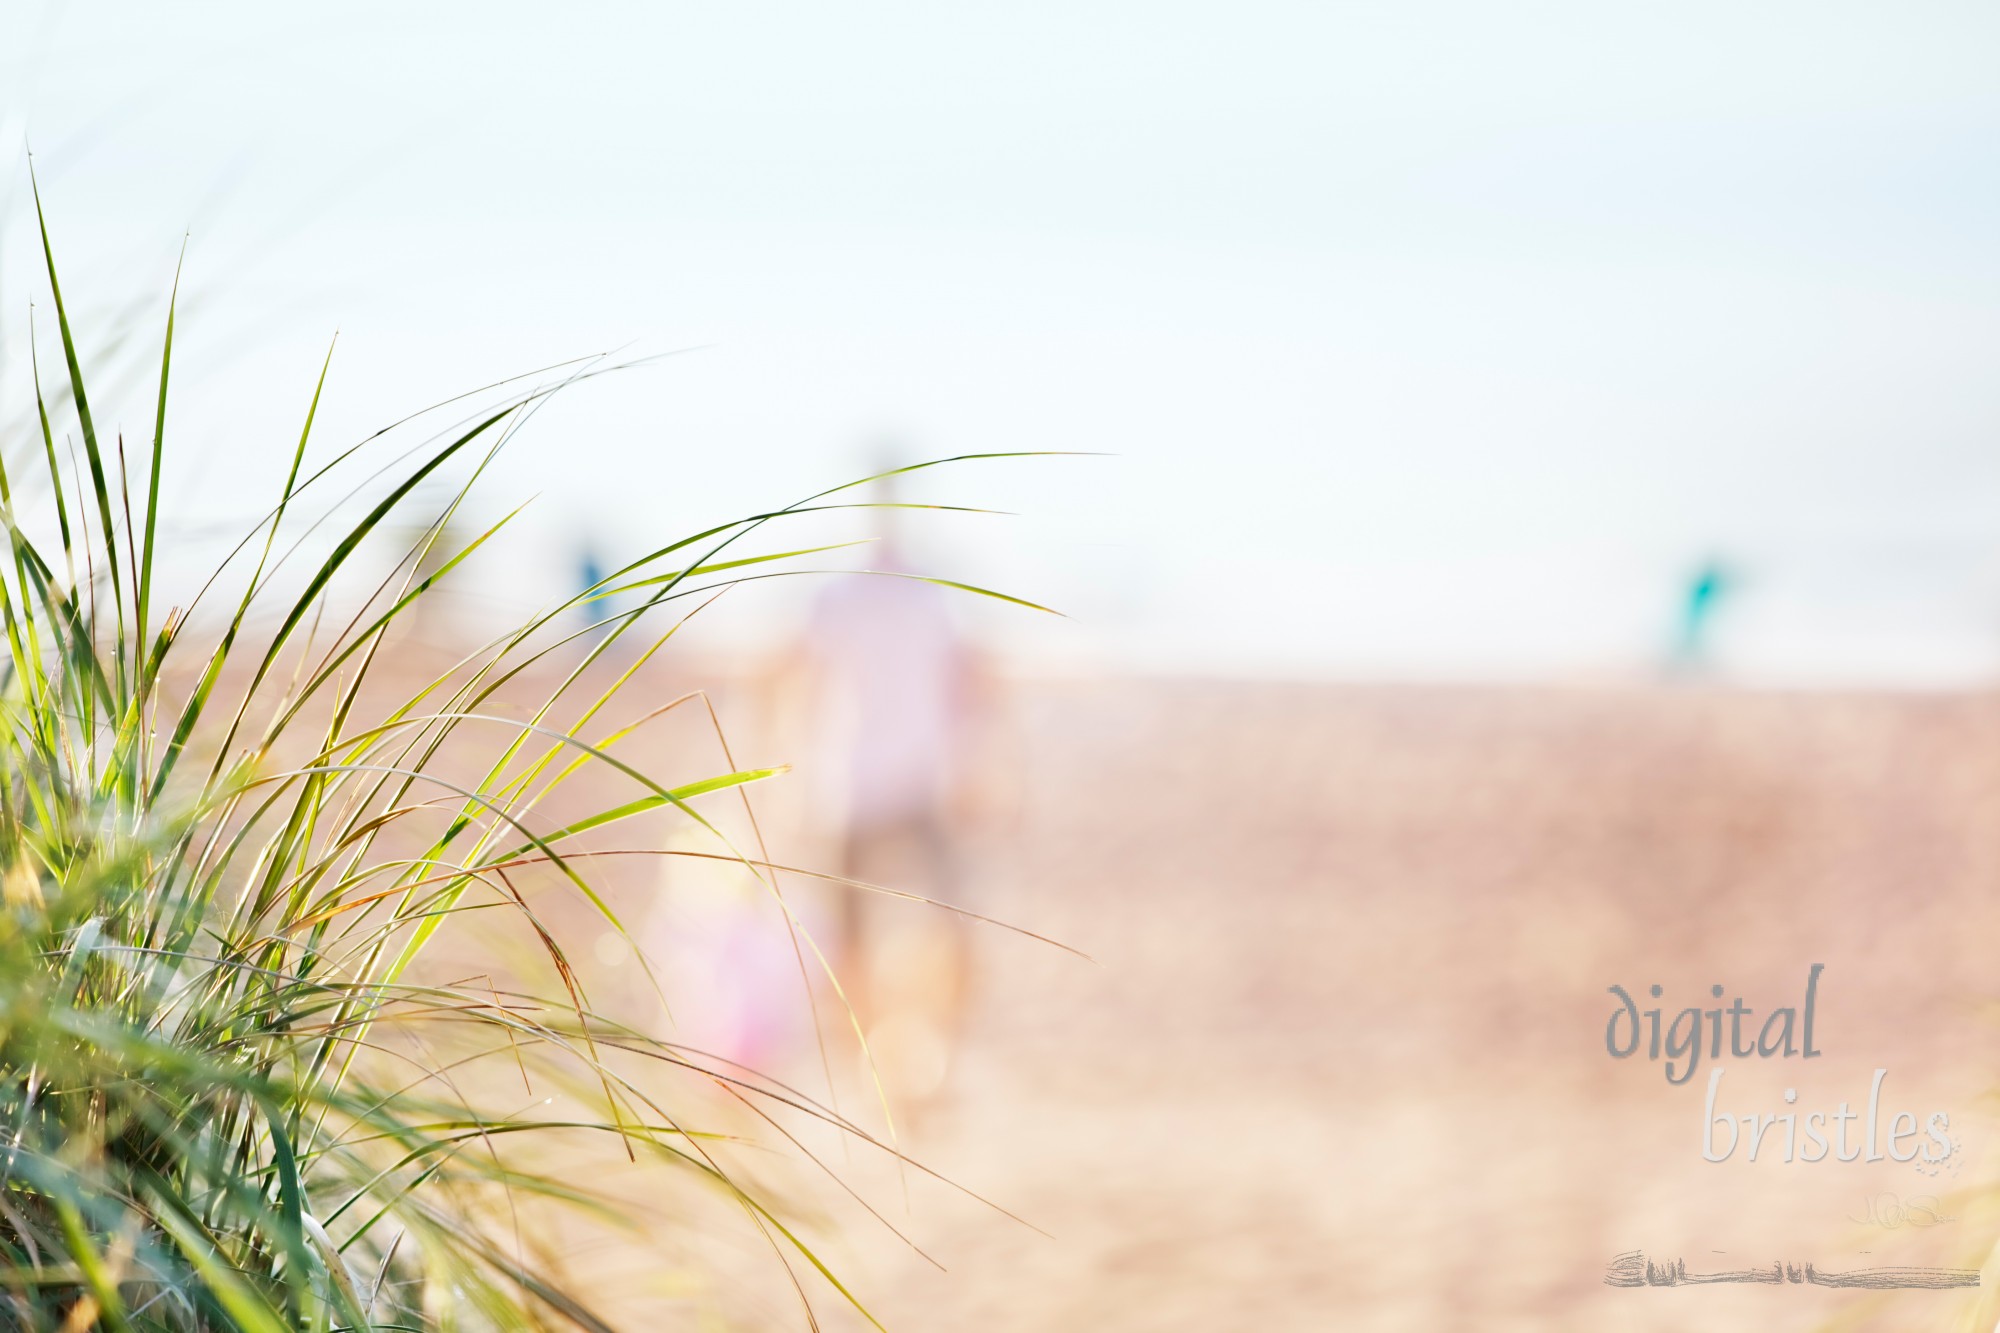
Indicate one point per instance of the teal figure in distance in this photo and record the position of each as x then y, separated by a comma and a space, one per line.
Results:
1705, 592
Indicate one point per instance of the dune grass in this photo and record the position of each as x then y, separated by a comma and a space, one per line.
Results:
226, 844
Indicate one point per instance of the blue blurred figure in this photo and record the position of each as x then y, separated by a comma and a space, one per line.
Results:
590, 572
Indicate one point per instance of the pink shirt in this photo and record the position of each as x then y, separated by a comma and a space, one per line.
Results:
892, 675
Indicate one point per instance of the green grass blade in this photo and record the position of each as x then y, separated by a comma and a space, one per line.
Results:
159, 452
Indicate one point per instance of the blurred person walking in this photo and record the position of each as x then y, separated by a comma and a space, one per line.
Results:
895, 692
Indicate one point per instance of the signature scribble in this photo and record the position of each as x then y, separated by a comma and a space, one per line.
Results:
1634, 1269
1889, 1212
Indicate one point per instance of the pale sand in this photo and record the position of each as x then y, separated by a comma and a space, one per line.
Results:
1339, 1061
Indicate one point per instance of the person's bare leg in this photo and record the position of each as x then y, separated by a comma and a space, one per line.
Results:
919, 961
854, 962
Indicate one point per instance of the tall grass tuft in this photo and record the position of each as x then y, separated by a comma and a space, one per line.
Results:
231, 1096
